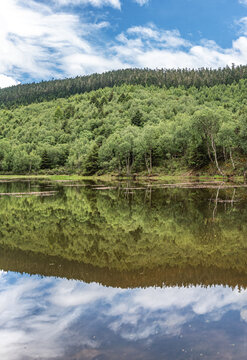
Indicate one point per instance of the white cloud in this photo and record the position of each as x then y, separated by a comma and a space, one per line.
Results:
147, 32
33, 39
168, 38
155, 48
244, 2
40, 42
243, 25
98, 3
89, 63
6, 81
142, 2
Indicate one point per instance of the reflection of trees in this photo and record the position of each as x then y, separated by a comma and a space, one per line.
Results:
217, 200
124, 229
185, 275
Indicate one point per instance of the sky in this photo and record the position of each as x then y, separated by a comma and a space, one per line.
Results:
46, 39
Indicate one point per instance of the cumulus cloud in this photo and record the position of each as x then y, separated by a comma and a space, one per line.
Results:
156, 48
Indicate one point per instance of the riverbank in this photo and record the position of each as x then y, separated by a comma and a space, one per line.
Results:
183, 177
174, 170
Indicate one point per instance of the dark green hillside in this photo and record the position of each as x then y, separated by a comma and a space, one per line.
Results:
49, 90
128, 129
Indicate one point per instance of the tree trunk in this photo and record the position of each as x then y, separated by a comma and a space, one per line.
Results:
233, 164
129, 165
119, 166
209, 155
215, 156
224, 152
146, 163
233, 196
216, 202
150, 157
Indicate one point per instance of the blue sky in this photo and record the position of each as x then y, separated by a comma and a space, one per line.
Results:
62, 38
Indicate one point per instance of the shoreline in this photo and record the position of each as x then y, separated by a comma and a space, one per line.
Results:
135, 178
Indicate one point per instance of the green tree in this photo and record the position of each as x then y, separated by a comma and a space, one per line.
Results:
228, 137
137, 119
147, 143
206, 122
91, 165
46, 162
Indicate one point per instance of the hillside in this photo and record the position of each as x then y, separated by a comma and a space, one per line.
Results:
128, 129
49, 90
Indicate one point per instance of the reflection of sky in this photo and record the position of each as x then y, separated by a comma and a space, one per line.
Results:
48, 318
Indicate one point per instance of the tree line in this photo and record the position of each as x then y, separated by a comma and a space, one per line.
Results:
49, 90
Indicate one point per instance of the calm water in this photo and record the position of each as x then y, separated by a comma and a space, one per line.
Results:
122, 271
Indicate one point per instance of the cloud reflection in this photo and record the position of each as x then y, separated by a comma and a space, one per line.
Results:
48, 318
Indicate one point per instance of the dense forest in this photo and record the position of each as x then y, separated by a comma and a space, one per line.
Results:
129, 129
54, 89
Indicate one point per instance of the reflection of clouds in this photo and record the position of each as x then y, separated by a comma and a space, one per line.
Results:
69, 294
45, 317
147, 325
203, 300
167, 310
30, 324
243, 314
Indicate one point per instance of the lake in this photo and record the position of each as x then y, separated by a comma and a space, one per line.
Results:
123, 270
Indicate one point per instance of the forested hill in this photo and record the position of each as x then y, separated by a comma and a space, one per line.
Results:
128, 129
49, 90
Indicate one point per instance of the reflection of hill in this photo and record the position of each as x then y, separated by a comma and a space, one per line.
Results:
171, 228
31, 263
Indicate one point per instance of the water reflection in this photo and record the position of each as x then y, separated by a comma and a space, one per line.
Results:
109, 229
163, 272
49, 318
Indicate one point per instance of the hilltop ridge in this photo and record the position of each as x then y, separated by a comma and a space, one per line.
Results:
24, 94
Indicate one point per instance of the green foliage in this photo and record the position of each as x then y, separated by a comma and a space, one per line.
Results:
137, 119
129, 128
91, 162
46, 162
58, 113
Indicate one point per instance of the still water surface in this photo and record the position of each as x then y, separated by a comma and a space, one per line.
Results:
122, 271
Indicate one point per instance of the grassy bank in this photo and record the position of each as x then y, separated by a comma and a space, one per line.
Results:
182, 177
